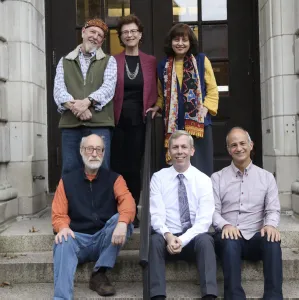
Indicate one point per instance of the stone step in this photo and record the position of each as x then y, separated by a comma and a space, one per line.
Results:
133, 291
37, 267
18, 238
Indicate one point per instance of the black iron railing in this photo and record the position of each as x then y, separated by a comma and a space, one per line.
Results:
145, 214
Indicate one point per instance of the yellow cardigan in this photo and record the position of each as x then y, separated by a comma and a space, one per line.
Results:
212, 96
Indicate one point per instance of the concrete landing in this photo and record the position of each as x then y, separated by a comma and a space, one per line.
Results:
133, 291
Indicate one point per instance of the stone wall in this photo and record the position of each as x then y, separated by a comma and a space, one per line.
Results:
295, 186
25, 128
8, 194
278, 93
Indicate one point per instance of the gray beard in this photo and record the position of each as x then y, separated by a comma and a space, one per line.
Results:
90, 47
92, 165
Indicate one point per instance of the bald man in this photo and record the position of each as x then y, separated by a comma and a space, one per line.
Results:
247, 213
92, 214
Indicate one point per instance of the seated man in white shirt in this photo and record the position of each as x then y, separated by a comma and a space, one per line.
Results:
181, 207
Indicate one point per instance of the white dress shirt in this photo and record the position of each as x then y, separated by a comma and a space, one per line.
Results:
164, 203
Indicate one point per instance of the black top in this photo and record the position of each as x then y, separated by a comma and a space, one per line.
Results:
90, 203
132, 108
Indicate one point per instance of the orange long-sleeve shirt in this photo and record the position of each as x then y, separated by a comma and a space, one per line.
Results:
125, 204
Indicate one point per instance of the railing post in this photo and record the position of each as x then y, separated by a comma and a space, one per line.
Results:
145, 214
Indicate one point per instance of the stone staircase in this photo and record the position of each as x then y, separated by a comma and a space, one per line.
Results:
26, 264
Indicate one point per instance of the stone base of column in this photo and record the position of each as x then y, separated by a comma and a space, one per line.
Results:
8, 209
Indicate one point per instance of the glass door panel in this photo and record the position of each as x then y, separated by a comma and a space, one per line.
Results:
214, 10
87, 9
115, 46
116, 9
215, 41
185, 10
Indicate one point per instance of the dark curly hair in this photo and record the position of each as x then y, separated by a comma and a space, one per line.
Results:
180, 29
129, 20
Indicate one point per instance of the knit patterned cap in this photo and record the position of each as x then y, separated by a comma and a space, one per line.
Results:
97, 23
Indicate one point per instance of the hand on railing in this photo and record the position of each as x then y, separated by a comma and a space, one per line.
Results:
154, 110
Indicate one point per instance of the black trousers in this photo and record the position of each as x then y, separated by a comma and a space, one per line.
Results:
200, 249
203, 156
127, 149
231, 252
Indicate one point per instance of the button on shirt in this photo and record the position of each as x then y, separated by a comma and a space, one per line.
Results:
164, 205
247, 201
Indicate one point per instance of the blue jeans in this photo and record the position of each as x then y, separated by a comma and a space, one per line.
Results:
71, 138
231, 253
83, 248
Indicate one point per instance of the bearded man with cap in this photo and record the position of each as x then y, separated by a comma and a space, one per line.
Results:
92, 214
84, 87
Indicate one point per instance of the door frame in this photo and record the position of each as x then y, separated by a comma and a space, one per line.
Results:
151, 12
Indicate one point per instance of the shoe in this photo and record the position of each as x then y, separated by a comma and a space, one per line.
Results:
136, 223
100, 283
209, 297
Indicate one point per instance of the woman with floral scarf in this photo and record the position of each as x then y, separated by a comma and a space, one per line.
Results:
188, 94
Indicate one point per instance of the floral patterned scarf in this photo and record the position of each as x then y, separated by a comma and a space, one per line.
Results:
192, 96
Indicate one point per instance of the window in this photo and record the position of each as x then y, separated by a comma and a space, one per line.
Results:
208, 20
108, 10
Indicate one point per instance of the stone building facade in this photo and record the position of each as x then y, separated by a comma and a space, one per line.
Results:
23, 115
278, 26
23, 103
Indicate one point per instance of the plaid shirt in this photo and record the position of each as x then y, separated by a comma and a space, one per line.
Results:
102, 96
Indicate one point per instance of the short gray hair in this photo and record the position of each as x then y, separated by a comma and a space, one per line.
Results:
238, 127
179, 133
83, 140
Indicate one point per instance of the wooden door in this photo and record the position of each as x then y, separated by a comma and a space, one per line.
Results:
230, 42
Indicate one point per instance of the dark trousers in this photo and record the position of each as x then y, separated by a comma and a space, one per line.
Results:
201, 249
203, 156
231, 252
127, 149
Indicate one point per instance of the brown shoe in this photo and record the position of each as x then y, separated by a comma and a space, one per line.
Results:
100, 283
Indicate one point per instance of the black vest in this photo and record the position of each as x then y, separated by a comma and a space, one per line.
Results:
90, 203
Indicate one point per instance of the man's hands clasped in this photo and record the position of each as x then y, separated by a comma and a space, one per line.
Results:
174, 244
80, 108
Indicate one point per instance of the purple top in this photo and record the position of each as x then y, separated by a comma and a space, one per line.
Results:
247, 201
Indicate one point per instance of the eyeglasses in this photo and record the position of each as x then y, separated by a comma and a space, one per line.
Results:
127, 32
89, 150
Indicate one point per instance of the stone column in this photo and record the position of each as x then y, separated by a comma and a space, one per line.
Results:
8, 194
26, 102
295, 185
278, 93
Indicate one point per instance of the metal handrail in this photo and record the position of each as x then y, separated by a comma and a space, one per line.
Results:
145, 214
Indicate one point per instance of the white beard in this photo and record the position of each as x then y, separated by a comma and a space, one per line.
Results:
91, 163
89, 47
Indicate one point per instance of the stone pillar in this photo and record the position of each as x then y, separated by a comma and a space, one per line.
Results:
26, 102
8, 195
278, 93
295, 185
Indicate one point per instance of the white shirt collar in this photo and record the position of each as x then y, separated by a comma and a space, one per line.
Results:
187, 173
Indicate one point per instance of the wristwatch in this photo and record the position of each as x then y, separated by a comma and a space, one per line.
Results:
92, 101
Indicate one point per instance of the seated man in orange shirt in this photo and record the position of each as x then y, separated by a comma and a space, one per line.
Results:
92, 212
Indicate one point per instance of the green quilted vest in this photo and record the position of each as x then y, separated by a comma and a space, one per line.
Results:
79, 89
